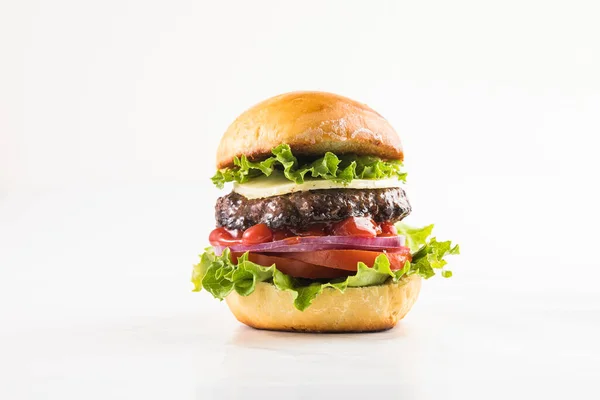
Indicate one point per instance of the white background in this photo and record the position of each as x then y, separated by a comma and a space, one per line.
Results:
110, 114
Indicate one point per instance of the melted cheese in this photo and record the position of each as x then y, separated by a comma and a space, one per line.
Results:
262, 187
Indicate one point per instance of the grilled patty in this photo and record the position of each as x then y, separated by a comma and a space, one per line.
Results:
301, 209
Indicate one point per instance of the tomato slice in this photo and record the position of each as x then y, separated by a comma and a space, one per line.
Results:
292, 267
348, 259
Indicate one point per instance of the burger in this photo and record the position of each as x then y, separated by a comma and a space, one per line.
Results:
310, 237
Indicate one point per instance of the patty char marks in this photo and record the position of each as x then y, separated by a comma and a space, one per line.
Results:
301, 209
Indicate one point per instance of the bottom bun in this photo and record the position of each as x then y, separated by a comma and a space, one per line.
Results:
363, 309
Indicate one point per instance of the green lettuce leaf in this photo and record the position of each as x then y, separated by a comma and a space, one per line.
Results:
431, 257
341, 169
428, 254
219, 276
415, 237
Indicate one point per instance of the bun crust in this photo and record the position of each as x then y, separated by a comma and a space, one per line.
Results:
312, 123
364, 309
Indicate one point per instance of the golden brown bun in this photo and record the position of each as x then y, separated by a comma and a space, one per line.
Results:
312, 123
364, 309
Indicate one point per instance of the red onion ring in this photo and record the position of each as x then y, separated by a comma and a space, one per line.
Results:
315, 243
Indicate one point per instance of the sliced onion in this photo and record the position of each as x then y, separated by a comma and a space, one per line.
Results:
315, 243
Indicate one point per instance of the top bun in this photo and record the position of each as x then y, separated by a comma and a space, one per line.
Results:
311, 123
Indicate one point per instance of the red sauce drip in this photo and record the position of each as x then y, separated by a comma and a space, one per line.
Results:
314, 230
387, 228
282, 234
257, 234
224, 237
353, 226
363, 227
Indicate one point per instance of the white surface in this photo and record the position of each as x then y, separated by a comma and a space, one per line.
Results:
110, 113
96, 304
132, 90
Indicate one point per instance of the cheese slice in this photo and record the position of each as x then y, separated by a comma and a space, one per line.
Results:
277, 185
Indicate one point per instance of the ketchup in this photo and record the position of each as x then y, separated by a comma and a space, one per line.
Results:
261, 233
357, 226
257, 234
223, 237
388, 229
314, 230
282, 234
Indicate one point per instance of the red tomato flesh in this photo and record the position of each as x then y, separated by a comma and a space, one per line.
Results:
348, 259
295, 268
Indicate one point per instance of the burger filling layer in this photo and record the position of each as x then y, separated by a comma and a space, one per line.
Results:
300, 210
311, 225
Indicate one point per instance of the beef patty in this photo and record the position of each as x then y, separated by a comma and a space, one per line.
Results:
301, 209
